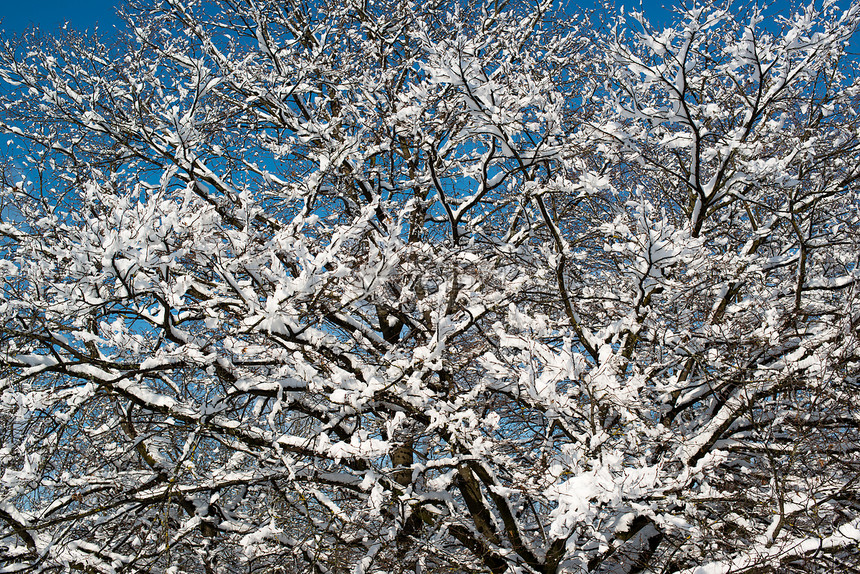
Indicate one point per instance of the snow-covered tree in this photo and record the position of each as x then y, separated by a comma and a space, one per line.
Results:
388, 286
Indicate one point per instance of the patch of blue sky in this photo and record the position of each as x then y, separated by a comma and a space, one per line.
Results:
50, 15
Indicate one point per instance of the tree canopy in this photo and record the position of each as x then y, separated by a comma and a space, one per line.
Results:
393, 286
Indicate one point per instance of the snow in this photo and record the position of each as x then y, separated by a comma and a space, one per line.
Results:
406, 287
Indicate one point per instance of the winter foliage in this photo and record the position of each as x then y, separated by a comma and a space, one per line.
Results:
379, 286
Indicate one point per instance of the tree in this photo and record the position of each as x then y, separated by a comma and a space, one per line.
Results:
383, 286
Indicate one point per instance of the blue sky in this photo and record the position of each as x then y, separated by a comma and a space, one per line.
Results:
17, 15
